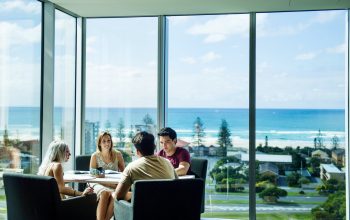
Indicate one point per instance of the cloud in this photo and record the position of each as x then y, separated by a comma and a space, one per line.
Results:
21, 79
222, 27
28, 7
121, 86
337, 49
13, 34
210, 56
177, 20
325, 16
90, 41
262, 67
152, 63
306, 56
189, 60
293, 29
214, 71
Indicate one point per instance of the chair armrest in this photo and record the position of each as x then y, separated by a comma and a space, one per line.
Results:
123, 210
80, 207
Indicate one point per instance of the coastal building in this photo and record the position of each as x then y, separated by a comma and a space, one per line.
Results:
91, 134
323, 156
338, 157
270, 169
267, 158
329, 171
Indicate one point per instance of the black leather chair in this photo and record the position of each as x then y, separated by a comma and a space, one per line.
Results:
161, 199
199, 169
82, 162
33, 197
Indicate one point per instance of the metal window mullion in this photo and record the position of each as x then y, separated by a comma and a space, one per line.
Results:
47, 76
78, 90
347, 116
252, 114
162, 103
83, 84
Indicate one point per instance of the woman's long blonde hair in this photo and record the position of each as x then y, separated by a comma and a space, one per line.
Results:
55, 153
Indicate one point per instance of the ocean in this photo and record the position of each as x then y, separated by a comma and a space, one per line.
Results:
278, 125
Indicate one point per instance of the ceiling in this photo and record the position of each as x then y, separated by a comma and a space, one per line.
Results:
116, 8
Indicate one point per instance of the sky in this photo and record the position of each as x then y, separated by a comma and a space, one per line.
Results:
300, 60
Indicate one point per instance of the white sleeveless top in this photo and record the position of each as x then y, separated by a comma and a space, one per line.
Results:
109, 166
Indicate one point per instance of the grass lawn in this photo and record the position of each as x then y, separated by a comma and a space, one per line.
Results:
310, 194
259, 201
260, 216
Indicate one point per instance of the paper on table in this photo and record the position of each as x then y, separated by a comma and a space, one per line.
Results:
78, 177
77, 172
111, 172
113, 175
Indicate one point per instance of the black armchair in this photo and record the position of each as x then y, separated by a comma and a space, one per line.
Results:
33, 197
178, 199
82, 162
199, 169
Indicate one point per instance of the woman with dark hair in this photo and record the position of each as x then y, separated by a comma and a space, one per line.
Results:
105, 158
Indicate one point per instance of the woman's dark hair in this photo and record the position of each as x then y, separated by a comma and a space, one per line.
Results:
144, 142
167, 132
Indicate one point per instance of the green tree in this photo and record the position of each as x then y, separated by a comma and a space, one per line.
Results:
121, 133
333, 208
6, 139
293, 179
315, 165
273, 192
127, 158
319, 140
335, 142
224, 135
198, 132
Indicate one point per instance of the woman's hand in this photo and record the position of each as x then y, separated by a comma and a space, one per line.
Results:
88, 190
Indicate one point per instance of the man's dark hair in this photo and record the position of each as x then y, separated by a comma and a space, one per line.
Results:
144, 142
167, 132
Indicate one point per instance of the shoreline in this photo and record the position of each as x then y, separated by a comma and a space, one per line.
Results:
244, 143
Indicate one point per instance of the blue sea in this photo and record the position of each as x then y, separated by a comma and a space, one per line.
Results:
276, 124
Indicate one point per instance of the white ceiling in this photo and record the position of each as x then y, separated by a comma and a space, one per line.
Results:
112, 8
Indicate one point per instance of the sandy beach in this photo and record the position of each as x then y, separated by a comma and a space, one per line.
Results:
244, 143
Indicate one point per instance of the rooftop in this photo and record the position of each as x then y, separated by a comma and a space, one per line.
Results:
268, 158
330, 168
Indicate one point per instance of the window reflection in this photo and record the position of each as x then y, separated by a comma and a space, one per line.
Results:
301, 113
208, 104
121, 80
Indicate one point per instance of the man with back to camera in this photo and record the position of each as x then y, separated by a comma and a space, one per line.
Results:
179, 157
147, 166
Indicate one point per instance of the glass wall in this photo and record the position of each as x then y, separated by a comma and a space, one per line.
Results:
208, 103
121, 80
64, 80
301, 114
20, 71
20, 57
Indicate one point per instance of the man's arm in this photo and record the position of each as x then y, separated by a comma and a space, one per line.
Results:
122, 192
183, 168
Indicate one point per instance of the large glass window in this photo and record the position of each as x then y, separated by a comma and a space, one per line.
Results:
20, 57
64, 80
300, 114
208, 103
121, 80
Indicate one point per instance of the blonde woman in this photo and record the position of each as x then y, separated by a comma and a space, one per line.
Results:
58, 153
109, 159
